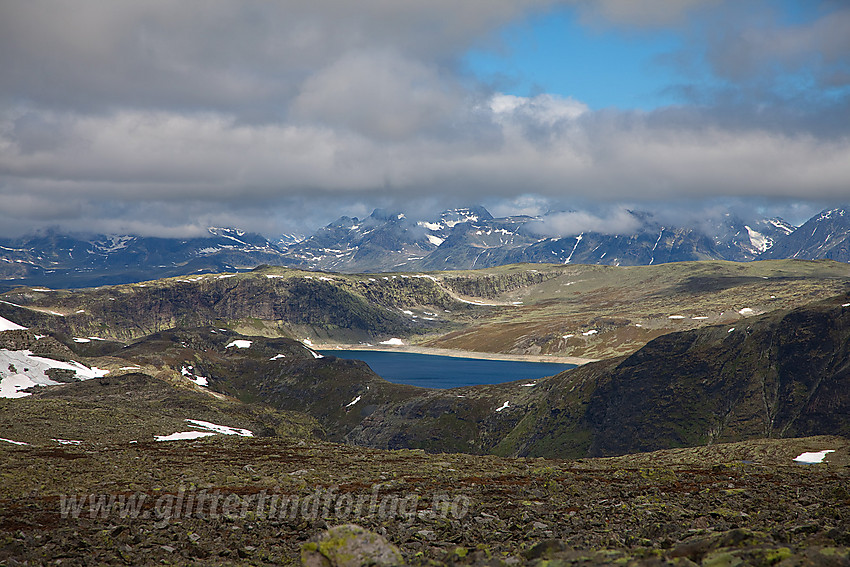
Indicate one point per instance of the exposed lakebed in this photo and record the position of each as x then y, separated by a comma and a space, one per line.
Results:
435, 371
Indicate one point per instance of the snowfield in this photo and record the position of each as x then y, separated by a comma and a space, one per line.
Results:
20, 370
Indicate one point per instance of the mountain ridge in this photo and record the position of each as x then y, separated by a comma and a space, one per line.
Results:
385, 241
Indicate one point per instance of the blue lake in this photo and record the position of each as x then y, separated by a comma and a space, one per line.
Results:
433, 371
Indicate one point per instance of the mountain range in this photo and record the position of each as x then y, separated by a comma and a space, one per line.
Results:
386, 241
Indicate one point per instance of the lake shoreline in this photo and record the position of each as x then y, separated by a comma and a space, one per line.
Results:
457, 353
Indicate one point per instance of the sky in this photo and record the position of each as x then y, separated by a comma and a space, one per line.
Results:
165, 117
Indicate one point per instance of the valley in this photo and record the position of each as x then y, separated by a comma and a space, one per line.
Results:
578, 311
700, 383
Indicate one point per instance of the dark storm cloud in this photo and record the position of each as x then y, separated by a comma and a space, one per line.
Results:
135, 116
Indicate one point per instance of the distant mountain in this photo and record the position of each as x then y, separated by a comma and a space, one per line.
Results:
62, 260
399, 241
472, 238
384, 241
824, 236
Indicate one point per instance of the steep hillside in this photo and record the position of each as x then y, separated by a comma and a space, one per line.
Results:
133, 393
279, 302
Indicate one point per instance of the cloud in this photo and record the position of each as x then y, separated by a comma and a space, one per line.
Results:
744, 52
545, 109
155, 115
247, 57
135, 157
528, 205
381, 94
643, 12
571, 223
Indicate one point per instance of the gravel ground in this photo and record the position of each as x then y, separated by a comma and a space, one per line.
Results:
225, 500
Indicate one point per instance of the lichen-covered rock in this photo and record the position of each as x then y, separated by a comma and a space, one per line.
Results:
350, 545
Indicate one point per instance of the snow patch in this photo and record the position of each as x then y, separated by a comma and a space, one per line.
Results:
6, 325
20, 370
184, 435
354, 401
505, 405
812, 458
13, 442
199, 380
67, 441
590, 332
758, 240
239, 344
435, 240
529, 385
746, 311
278, 356
223, 429
81, 340
675, 316
393, 342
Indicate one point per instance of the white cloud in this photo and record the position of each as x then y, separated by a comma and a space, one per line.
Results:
544, 109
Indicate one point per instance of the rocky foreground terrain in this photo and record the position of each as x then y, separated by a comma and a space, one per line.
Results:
746, 503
